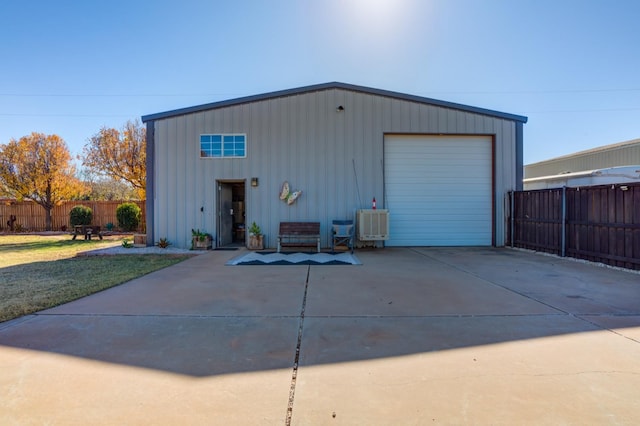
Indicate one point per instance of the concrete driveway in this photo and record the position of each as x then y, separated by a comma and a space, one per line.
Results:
412, 336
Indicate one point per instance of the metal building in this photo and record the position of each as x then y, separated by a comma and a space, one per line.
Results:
440, 169
614, 155
608, 176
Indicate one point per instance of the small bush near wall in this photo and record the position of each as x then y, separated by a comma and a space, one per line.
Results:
128, 215
80, 215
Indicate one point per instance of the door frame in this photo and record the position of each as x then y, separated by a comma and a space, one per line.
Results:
221, 229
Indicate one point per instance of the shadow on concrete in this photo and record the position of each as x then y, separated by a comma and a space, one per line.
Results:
200, 318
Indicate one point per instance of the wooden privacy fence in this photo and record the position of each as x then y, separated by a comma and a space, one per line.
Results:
595, 223
30, 217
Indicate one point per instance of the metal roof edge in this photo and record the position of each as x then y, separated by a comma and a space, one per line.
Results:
235, 101
431, 101
616, 171
616, 145
328, 86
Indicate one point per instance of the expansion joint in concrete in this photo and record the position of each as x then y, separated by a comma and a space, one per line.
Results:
294, 374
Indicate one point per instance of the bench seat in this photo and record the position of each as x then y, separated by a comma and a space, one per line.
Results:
299, 234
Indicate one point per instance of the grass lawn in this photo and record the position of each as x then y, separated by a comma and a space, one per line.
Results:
38, 272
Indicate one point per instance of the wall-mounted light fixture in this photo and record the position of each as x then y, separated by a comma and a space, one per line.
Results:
624, 188
340, 108
254, 181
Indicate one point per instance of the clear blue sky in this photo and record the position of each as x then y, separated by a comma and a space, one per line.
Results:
571, 66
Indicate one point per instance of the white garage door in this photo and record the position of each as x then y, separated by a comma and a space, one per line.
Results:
438, 190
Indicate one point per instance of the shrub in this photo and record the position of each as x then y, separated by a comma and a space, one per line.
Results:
80, 215
128, 215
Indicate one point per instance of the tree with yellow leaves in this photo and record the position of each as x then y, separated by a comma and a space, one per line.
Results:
38, 167
120, 155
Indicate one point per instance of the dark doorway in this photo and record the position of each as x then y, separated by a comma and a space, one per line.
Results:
231, 210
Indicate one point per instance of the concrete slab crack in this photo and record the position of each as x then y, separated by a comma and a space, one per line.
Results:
294, 374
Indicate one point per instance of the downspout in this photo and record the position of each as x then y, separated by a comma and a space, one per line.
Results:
150, 190
519, 155
564, 222
519, 172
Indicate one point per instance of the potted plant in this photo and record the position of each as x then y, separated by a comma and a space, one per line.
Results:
256, 239
200, 240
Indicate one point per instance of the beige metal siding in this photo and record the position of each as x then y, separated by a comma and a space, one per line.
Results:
621, 154
302, 139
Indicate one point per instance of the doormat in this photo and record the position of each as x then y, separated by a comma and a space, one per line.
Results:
226, 248
296, 258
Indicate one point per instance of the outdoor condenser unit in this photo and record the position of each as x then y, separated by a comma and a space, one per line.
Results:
373, 225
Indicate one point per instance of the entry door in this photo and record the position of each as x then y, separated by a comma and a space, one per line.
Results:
225, 214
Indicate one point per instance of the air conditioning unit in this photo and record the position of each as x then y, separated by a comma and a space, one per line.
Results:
373, 225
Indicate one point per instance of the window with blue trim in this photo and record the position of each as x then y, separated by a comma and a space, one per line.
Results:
223, 146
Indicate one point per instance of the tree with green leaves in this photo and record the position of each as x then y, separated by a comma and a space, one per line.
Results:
38, 167
119, 154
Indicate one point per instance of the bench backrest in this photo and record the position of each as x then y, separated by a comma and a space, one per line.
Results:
299, 228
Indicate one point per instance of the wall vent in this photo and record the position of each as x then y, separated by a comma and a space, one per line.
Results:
373, 225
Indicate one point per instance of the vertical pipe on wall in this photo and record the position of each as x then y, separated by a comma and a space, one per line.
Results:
519, 155
564, 222
150, 179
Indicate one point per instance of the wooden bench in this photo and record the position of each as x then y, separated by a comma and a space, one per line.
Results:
299, 234
87, 231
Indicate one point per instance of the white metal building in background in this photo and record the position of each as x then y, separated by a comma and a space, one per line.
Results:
440, 169
608, 164
608, 176
603, 157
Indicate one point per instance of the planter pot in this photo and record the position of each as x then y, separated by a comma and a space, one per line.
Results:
201, 244
256, 242
139, 240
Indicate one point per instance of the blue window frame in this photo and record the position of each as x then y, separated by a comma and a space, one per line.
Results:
223, 145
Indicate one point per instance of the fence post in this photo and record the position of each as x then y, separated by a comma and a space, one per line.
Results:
564, 222
511, 198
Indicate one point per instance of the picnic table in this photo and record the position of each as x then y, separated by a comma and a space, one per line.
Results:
87, 231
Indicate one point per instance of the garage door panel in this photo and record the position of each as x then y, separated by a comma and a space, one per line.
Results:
438, 190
